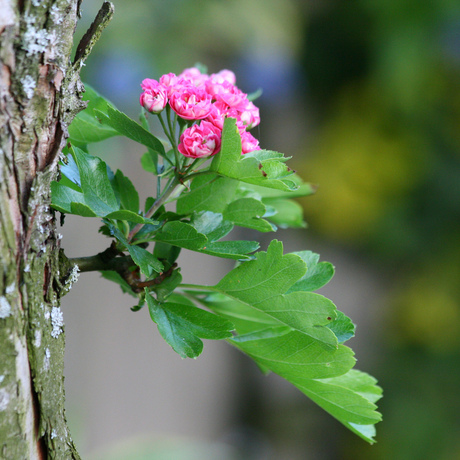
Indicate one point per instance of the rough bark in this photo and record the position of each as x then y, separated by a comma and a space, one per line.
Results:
39, 96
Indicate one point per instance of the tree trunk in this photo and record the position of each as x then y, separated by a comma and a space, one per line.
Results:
39, 96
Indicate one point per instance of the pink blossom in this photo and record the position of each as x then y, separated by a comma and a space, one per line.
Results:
248, 142
229, 94
194, 76
218, 114
191, 103
200, 141
215, 83
169, 81
227, 75
154, 97
250, 115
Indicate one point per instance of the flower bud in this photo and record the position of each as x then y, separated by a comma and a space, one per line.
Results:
154, 98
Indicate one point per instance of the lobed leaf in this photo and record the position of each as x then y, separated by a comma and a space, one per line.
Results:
342, 327
347, 394
349, 398
182, 326
248, 212
317, 275
261, 284
248, 168
296, 356
288, 213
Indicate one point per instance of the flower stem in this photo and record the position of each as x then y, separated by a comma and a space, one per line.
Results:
198, 286
172, 138
159, 202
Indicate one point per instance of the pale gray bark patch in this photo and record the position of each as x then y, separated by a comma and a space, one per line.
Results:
5, 308
4, 399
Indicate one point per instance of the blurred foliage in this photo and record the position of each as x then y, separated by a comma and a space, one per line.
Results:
374, 88
387, 148
384, 82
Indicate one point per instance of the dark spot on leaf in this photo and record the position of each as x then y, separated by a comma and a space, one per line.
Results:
329, 318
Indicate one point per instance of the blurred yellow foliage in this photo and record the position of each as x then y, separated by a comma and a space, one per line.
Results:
426, 309
363, 164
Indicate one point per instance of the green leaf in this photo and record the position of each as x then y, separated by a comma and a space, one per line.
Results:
261, 284
296, 356
126, 192
70, 170
207, 193
247, 320
64, 181
140, 303
167, 286
167, 252
249, 168
288, 213
347, 394
81, 209
182, 326
149, 162
248, 212
236, 250
85, 127
131, 129
116, 278
129, 216
180, 234
101, 192
342, 327
255, 95
349, 398
360, 382
342, 403
304, 189
318, 273
62, 197
271, 274
95, 183
211, 224
146, 261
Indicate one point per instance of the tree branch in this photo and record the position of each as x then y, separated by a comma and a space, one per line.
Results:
93, 34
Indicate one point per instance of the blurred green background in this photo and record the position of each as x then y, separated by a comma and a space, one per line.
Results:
366, 98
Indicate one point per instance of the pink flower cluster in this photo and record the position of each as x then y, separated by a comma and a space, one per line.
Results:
208, 99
